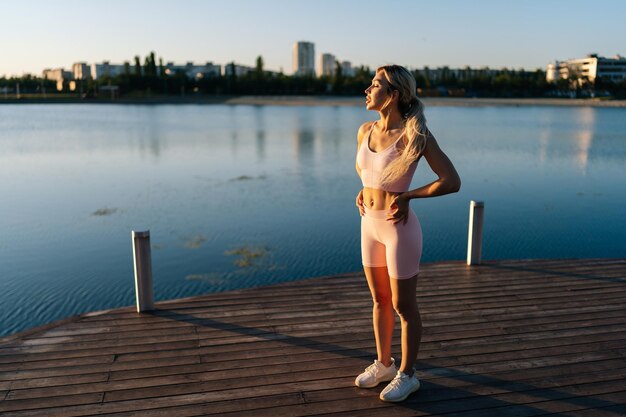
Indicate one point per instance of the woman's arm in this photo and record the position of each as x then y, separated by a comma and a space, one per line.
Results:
359, 137
365, 127
448, 181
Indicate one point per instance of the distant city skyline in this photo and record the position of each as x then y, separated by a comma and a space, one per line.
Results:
38, 35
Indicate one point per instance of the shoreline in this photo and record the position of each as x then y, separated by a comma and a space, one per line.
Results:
326, 101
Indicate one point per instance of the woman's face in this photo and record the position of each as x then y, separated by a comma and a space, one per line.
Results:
378, 93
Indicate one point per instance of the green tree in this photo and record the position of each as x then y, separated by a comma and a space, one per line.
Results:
338, 79
259, 66
152, 65
137, 66
149, 66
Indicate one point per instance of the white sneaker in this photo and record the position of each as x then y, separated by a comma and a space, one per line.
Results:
375, 374
400, 387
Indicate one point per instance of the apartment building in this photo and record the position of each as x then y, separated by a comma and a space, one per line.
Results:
106, 69
326, 65
303, 56
588, 69
59, 75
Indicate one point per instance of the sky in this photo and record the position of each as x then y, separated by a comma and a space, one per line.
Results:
523, 34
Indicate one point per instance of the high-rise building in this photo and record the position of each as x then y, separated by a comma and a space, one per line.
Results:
303, 58
326, 65
81, 71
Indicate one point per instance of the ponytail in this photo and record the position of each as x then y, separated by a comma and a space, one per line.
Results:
415, 130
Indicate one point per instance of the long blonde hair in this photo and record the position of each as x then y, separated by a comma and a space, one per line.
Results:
412, 110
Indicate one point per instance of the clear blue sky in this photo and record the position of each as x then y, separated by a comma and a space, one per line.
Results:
44, 34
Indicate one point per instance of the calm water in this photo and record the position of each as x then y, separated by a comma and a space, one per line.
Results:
237, 196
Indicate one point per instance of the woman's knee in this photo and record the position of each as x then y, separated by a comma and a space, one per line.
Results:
382, 300
405, 307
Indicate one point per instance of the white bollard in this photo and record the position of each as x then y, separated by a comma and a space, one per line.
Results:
475, 235
143, 271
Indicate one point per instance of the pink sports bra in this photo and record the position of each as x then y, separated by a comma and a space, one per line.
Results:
372, 164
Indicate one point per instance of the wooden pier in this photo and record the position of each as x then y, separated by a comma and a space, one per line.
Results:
506, 338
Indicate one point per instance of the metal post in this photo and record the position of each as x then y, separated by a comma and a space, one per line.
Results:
475, 235
143, 271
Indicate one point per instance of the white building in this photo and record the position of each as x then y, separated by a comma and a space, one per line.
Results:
588, 69
192, 70
106, 69
81, 71
59, 75
326, 65
552, 72
303, 55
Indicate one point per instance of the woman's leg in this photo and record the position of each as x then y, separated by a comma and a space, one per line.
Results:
383, 315
404, 299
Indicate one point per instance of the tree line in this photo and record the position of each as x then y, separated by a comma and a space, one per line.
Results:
150, 78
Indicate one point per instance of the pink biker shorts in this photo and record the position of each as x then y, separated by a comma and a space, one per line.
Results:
396, 246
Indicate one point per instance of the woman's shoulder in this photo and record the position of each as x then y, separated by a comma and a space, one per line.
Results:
363, 129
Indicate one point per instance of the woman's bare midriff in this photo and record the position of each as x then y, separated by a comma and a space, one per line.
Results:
376, 199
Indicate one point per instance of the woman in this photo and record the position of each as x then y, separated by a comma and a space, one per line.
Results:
391, 237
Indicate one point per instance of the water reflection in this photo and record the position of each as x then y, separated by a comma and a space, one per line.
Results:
151, 141
584, 140
234, 129
234, 142
544, 139
303, 139
259, 118
331, 141
584, 136
568, 136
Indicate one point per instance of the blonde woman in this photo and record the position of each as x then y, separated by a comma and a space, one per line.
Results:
391, 237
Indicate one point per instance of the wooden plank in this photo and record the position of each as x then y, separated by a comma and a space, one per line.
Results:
243, 376
611, 411
47, 356
80, 370
63, 380
286, 369
221, 407
214, 378
466, 403
12, 406
165, 400
235, 327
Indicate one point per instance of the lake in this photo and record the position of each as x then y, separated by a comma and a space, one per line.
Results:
237, 196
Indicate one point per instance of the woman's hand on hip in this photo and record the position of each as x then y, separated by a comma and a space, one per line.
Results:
399, 209
359, 203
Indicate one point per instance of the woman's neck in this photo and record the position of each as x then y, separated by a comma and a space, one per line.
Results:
390, 121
